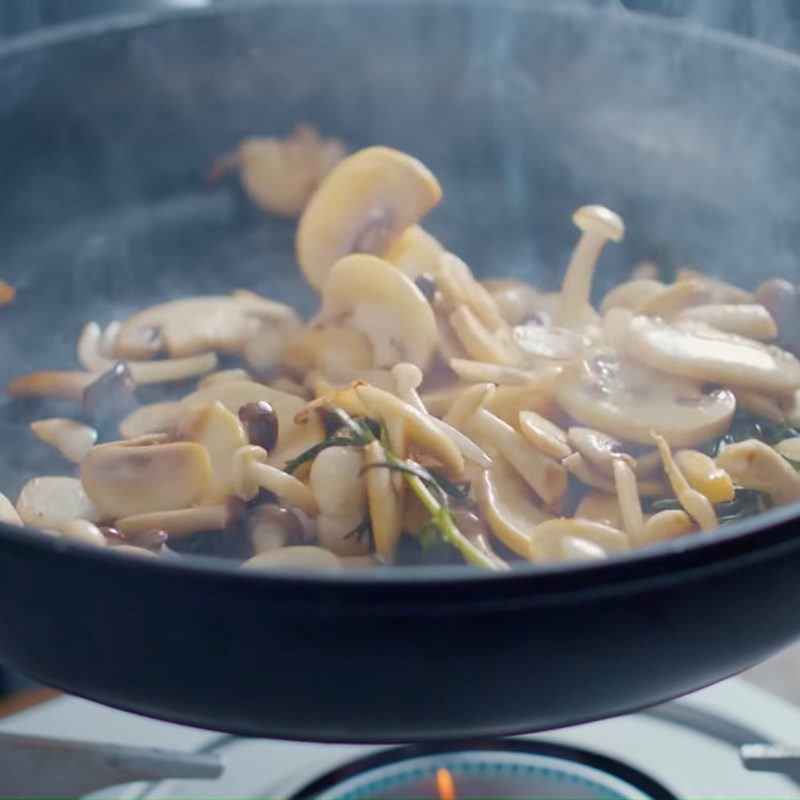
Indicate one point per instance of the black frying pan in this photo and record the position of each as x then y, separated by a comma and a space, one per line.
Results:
524, 110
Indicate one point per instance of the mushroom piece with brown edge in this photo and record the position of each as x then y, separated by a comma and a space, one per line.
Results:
755, 465
71, 438
47, 501
148, 474
598, 226
58, 385
629, 400
371, 296
362, 206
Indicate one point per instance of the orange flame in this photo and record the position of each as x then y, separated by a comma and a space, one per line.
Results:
445, 784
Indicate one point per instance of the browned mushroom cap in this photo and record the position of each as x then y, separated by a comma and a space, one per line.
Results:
363, 205
125, 478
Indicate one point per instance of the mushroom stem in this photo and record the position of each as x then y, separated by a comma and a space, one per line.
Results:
628, 496
182, 522
755, 465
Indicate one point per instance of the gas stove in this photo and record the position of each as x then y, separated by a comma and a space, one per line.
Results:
720, 742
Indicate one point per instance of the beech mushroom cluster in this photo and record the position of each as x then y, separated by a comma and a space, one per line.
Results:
421, 414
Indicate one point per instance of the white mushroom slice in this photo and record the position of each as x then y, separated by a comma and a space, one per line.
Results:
222, 434
694, 350
484, 372
56, 385
71, 438
600, 507
383, 304
422, 433
576, 465
674, 298
143, 372
46, 502
789, 448
479, 342
703, 474
8, 514
509, 506
466, 404
544, 435
195, 325
536, 395
385, 496
438, 401
253, 473
628, 495
541, 342
665, 525
288, 386
598, 225
751, 320
302, 558
415, 252
224, 376
760, 405
544, 475
266, 349
134, 477
458, 286
337, 482
573, 548
696, 504
81, 530
631, 294
755, 465
281, 174
547, 540
342, 351
182, 522
362, 206
600, 450
520, 302
721, 292
293, 437
629, 400
154, 418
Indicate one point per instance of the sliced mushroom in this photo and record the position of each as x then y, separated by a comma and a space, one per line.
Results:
536, 395
45, 502
600, 450
137, 476
8, 514
485, 372
628, 400
71, 438
789, 448
293, 437
782, 299
631, 294
721, 292
458, 286
577, 465
362, 206
224, 376
342, 350
547, 540
270, 527
385, 497
509, 507
750, 320
81, 530
760, 405
343, 536
337, 482
600, 507
598, 225
544, 435
672, 299
665, 525
537, 341
755, 465
694, 350
628, 495
573, 548
178, 523
303, 558
221, 434
703, 474
56, 385
415, 252
154, 418
479, 342
520, 302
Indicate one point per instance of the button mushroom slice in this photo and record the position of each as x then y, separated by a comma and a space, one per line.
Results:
362, 206
548, 537
577, 465
544, 435
629, 400
415, 252
665, 525
628, 496
755, 465
63, 385
253, 473
759, 405
224, 376
721, 292
337, 482
45, 502
458, 286
8, 514
509, 506
598, 225
385, 497
647, 463
696, 504
81, 530
71, 438
703, 474
574, 548
600, 507
520, 302
143, 372
485, 372
294, 436
536, 395
782, 299
153, 418
674, 298
479, 342
789, 448
383, 304
541, 342
221, 433
631, 294
137, 476
694, 350
341, 350
750, 320
600, 450
178, 523
302, 558
423, 436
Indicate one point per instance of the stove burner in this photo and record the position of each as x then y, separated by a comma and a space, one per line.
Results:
499, 769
